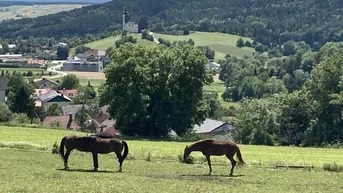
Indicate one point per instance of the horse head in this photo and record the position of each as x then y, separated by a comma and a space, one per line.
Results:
186, 152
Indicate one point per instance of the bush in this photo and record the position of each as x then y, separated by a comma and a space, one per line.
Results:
333, 167
20, 118
55, 148
189, 160
5, 113
29, 73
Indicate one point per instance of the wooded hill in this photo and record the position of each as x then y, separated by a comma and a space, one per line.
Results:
266, 21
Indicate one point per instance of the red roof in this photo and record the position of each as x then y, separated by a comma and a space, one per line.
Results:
32, 61
69, 93
62, 120
111, 131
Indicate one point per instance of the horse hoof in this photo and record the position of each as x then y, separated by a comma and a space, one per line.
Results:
95, 169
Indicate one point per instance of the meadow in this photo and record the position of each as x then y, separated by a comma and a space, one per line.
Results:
20, 11
222, 43
27, 165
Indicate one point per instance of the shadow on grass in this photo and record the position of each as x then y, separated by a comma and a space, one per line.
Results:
90, 171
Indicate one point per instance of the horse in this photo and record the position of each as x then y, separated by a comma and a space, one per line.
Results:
210, 147
96, 145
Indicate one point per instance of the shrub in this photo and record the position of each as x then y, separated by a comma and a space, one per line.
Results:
333, 167
55, 124
20, 118
55, 148
189, 160
5, 113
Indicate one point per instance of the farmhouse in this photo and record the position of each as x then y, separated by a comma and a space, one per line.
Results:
133, 24
95, 53
3, 88
83, 63
52, 97
212, 127
46, 83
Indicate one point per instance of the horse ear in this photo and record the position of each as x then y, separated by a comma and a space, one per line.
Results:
187, 146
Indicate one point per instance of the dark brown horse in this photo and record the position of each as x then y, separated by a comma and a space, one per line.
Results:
96, 145
216, 148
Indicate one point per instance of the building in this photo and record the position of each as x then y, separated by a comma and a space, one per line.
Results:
212, 127
133, 24
3, 88
60, 44
68, 93
212, 66
52, 97
65, 121
79, 63
47, 83
32, 63
95, 53
10, 56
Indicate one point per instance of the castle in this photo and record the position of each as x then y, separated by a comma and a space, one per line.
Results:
133, 24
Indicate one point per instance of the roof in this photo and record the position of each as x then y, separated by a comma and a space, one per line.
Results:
135, 19
51, 95
97, 53
62, 120
11, 46
68, 93
32, 61
109, 123
70, 109
111, 131
39, 92
209, 125
3, 83
46, 80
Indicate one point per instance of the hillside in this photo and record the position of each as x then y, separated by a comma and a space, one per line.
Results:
313, 21
20, 11
221, 43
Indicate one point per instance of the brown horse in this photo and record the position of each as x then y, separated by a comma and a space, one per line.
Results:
94, 144
216, 148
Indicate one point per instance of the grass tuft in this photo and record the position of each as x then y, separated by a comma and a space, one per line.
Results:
23, 145
190, 159
333, 167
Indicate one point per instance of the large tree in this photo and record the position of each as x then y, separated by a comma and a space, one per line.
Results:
70, 82
154, 91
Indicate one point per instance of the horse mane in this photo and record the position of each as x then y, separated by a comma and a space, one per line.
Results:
204, 141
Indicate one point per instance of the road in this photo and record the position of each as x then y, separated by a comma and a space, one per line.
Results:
59, 74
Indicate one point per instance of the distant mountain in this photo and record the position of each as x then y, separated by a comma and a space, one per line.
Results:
270, 22
54, 1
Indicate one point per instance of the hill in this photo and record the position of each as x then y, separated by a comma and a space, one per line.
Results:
31, 11
313, 21
221, 43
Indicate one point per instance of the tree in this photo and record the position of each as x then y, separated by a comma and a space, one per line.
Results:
54, 110
5, 113
240, 43
209, 53
70, 82
247, 44
5, 48
62, 53
146, 89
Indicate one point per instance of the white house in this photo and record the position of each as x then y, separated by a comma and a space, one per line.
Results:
133, 24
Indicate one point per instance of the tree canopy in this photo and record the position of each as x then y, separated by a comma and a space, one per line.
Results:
152, 91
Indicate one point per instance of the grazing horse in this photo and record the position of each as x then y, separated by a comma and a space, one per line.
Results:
95, 144
216, 148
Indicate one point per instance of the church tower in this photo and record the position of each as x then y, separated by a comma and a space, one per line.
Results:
125, 16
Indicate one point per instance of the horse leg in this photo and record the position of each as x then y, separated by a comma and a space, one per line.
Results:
120, 160
65, 159
209, 163
95, 161
233, 164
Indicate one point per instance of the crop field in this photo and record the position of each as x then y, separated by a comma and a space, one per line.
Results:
27, 165
222, 43
20, 11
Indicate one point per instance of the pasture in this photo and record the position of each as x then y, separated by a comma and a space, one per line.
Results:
21, 11
27, 165
222, 43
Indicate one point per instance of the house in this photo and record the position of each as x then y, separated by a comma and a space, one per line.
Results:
52, 97
133, 24
3, 88
12, 47
83, 63
47, 83
212, 127
32, 63
212, 66
68, 93
10, 56
60, 44
66, 122
96, 53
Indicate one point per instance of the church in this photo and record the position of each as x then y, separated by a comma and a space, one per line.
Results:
133, 24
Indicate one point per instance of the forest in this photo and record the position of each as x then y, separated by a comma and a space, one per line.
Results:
270, 23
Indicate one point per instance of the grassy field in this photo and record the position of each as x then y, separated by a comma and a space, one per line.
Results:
34, 10
27, 165
221, 43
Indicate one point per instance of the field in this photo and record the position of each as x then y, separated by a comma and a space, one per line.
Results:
20, 11
221, 43
27, 165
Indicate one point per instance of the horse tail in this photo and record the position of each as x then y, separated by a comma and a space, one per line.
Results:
126, 149
62, 147
239, 156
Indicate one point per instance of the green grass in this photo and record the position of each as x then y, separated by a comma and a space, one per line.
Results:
94, 82
37, 170
35, 10
221, 43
